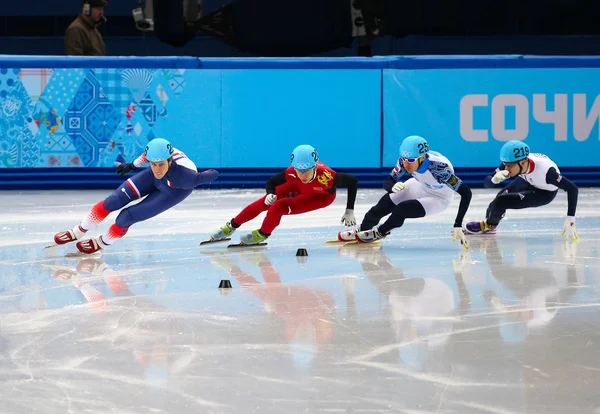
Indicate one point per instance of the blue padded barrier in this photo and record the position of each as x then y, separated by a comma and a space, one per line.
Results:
237, 114
106, 178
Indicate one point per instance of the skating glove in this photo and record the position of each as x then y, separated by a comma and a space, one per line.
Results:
500, 176
569, 230
398, 187
459, 234
271, 198
125, 167
348, 218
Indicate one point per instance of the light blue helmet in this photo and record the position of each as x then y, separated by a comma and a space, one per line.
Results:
304, 157
413, 147
159, 149
514, 151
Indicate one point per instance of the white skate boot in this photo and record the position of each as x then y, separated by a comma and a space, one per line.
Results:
369, 236
222, 232
347, 235
69, 236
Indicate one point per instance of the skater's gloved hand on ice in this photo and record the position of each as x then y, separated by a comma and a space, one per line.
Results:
398, 187
271, 198
459, 234
348, 218
125, 167
569, 230
500, 176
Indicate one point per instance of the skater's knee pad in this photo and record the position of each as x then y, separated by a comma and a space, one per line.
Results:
125, 219
118, 199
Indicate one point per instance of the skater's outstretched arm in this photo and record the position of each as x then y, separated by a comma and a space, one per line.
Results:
350, 181
206, 177
274, 181
554, 178
187, 179
445, 175
465, 201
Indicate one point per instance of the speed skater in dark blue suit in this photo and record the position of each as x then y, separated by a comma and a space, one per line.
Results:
170, 179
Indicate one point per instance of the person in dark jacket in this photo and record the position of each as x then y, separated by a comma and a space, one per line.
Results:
82, 37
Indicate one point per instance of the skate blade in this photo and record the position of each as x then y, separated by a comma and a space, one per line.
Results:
357, 243
351, 242
214, 252
244, 246
78, 255
213, 241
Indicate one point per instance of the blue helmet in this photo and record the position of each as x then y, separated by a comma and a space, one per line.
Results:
304, 157
159, 149
514, 151
413, 147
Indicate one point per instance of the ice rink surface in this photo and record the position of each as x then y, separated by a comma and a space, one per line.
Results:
414, 325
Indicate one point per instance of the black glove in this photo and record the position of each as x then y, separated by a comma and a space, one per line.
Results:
124, 168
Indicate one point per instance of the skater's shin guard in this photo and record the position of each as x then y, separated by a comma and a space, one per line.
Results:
94, 217
113, 233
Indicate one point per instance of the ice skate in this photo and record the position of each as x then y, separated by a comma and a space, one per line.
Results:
256, 237
370, 236
91, 246
347, 235
69, 236
480, 227
222, 232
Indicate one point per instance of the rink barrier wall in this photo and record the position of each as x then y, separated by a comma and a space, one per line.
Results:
67, 121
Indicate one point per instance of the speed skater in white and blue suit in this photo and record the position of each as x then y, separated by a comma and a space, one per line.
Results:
170, 179
429, 191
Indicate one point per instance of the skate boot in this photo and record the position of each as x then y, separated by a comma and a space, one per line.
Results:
347, 235
369, 236
255, 237
223, 232
480, 227
69, 236
91, 246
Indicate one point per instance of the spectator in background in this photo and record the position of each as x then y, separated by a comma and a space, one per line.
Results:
82, 36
